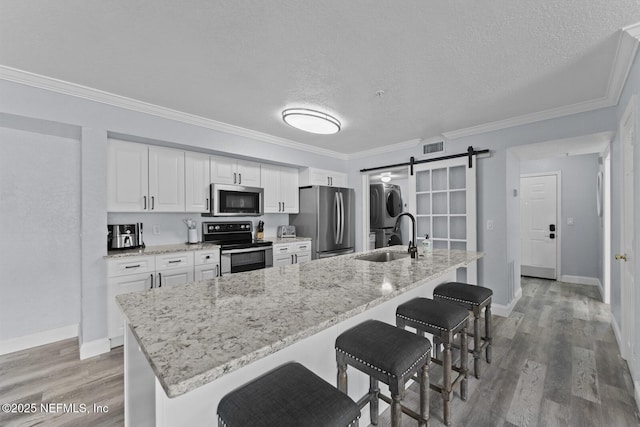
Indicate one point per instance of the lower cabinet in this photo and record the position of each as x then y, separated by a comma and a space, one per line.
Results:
207, 265
291, 253
133, 274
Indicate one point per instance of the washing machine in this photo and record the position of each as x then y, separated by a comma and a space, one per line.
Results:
387, 237
385, 201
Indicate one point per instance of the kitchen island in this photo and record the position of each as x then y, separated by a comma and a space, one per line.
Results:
187, 346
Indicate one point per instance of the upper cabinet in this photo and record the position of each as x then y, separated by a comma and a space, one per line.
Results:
127, 176
166, 179
280, 189
143, 178
314, 176
232, 171
197, 182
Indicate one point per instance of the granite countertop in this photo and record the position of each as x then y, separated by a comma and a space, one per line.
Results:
161, 249
192, 334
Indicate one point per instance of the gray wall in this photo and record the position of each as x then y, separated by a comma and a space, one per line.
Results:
71, 282
582, 241
40, 219
496, 177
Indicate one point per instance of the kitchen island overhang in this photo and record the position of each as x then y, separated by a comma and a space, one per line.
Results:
199, 341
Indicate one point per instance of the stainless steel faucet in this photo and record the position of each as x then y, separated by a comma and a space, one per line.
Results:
413, 249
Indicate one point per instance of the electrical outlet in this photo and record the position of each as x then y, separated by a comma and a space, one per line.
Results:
156, 230
490, 224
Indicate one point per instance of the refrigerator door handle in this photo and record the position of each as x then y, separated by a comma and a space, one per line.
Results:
336, 217
341, 218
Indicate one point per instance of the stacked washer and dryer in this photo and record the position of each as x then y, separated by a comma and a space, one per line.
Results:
385, 202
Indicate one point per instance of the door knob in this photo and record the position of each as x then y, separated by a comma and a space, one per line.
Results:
622, 257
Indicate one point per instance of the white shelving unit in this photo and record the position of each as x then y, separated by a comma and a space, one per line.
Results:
445, 205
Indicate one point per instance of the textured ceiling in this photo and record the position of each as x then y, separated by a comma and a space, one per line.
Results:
443, 65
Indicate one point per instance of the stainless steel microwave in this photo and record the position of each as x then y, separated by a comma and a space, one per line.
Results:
236, 200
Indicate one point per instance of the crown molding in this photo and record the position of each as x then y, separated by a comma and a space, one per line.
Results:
628, 42
91, 94
385, 149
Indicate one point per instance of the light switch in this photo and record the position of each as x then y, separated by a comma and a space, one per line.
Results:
570, 220
156, 230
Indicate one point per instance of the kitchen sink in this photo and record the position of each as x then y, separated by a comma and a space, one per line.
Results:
383, 256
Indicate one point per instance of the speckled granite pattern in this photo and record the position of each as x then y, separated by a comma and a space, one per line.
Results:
194, 333
161, 249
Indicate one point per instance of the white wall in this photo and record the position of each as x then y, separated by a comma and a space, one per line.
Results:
40, 222
582, 241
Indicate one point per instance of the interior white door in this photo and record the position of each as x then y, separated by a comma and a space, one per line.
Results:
539, 234
627, 137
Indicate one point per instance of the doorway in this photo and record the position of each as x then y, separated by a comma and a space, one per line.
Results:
539, 204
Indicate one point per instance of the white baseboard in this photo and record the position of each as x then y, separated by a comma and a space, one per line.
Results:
37, 339
94, 348
580, 280
617, 332
636, 387
505, 310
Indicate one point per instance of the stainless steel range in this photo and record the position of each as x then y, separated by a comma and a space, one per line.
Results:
238, 250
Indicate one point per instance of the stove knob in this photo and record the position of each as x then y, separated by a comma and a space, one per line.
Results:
217, 227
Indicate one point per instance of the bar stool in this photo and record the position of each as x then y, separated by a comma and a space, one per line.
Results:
444, 321
473, 298
289, 396
390, 355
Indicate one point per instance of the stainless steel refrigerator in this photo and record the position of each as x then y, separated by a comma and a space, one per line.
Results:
327, 215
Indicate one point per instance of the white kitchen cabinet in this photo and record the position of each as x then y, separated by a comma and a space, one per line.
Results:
207, 264
291, 253
280, 189
174, 269
127, 176
131, 274
225, 170
143, 178
166, 180
197, 181
315, 176
125, 275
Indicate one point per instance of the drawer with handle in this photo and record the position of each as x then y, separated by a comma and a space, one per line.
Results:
174, 260
130, 265
207, 257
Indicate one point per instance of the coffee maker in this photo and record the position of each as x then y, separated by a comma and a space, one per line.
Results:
124, 236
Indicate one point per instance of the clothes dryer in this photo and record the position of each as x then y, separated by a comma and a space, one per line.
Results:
385, 202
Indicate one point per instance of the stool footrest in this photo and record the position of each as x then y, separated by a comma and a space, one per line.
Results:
404, 409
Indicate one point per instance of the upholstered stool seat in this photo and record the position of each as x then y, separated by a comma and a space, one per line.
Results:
290, 395
390, 355
474, 298
444, 321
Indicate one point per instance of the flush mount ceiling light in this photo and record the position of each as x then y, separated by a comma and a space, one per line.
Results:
311, 121
385, 177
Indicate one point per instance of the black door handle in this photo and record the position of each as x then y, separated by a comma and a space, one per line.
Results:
552, 236
552, 227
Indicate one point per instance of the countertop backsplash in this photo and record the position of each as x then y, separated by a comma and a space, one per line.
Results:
173, 230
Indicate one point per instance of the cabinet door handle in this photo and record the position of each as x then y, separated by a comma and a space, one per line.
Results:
234, 178
153, 202
159, 280
292, 262
239, 178
207, 204
151, 281
175, 261
145, 202
217, 270
207, 257
282, 206
133, 266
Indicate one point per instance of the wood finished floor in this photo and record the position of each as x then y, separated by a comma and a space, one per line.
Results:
555, 363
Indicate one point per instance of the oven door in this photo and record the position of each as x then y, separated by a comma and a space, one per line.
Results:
248, 259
